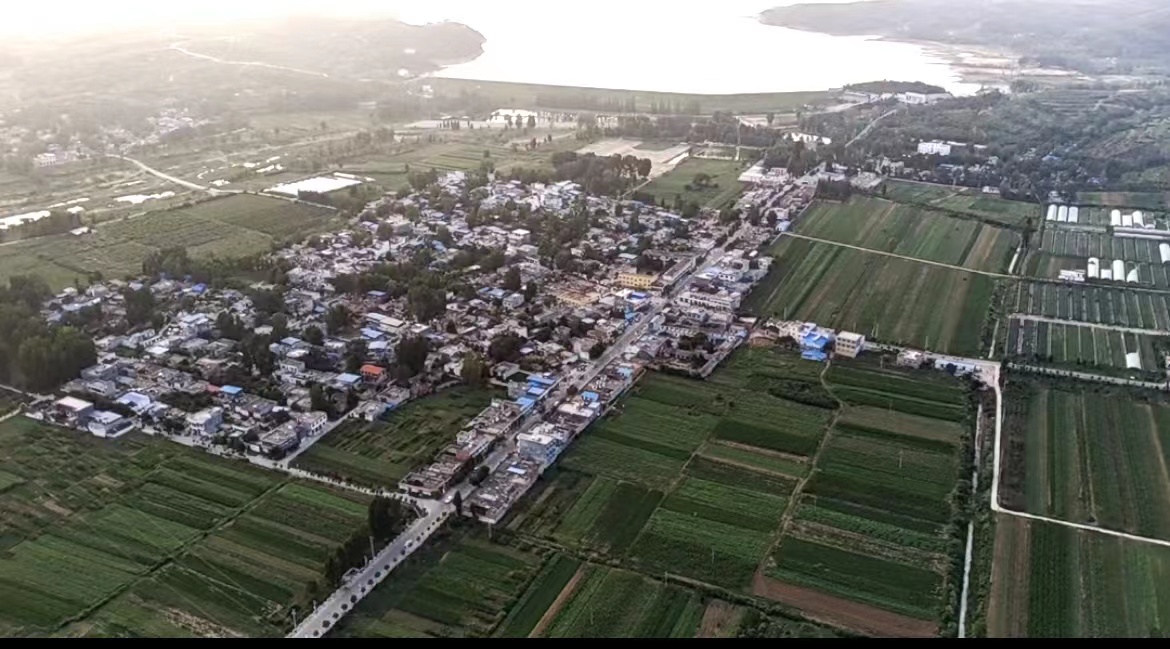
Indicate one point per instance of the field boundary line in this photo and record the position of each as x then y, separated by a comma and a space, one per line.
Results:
1000, 509
1091, 325
897, 256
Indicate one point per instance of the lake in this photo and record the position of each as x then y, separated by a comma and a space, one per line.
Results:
672, 47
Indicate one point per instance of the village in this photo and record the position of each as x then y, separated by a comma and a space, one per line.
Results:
215, 368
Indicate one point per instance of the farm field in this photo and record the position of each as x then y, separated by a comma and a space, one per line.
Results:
892, 300
144, 537
468, 154
1054, 581
1078, 347
1068, 249
233, 226
525, 95
719, 497
724, 184
1147, 200
1095, 459
1092, 303
378, 454
911, 231
459, 586
962, 199
610, 603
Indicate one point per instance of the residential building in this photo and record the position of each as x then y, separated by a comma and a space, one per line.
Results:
849, 344
206, 422
934, 148
633, 279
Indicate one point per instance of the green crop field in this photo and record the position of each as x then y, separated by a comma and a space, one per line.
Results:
380, 453
878, 496
526, 95
1139, 200
1052, 581
965, 200
610, 603
888, 299
1109, 305
459, 586
878, 224
723, 189
1097, 460
143, 537
539, 597
233, 226
911, 590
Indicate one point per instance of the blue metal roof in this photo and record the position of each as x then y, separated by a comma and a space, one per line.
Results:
231, 389
543, 380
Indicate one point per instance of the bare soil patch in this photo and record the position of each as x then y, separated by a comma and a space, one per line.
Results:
720, 620
842, 612
1007, 610
558, 604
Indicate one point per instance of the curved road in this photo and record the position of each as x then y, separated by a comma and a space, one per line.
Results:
169, 178
259, 64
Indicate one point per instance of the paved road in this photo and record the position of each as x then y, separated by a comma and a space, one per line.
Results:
1086, 376
259, 64
361, 584
1090, 325
869, 127
169, 178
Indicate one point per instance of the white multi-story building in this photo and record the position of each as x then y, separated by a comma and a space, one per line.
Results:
205, 422
849, 344
934, 148
723, 300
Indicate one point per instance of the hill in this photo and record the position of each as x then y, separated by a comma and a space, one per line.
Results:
1094, 36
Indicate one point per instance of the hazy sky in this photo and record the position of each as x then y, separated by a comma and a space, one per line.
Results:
55, 18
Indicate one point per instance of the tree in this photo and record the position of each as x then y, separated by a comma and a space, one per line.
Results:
386, 518
443, 236
596, 350
313, 335
337, 319
530, 291
411, 353
644, 167
317, 398
279, 324
355, 354
771, 118
505, 347
457, 501
473, 370
512, 279
532, 121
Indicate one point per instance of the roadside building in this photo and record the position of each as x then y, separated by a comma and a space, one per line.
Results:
205, 423
849, 344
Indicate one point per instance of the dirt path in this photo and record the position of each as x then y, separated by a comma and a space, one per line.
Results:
719, 620
558, 604
1007, 606
895, 255
842, 612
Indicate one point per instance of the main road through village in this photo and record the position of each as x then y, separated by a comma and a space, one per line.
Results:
357, 586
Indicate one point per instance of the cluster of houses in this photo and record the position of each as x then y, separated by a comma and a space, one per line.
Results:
190, 368
538, 446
